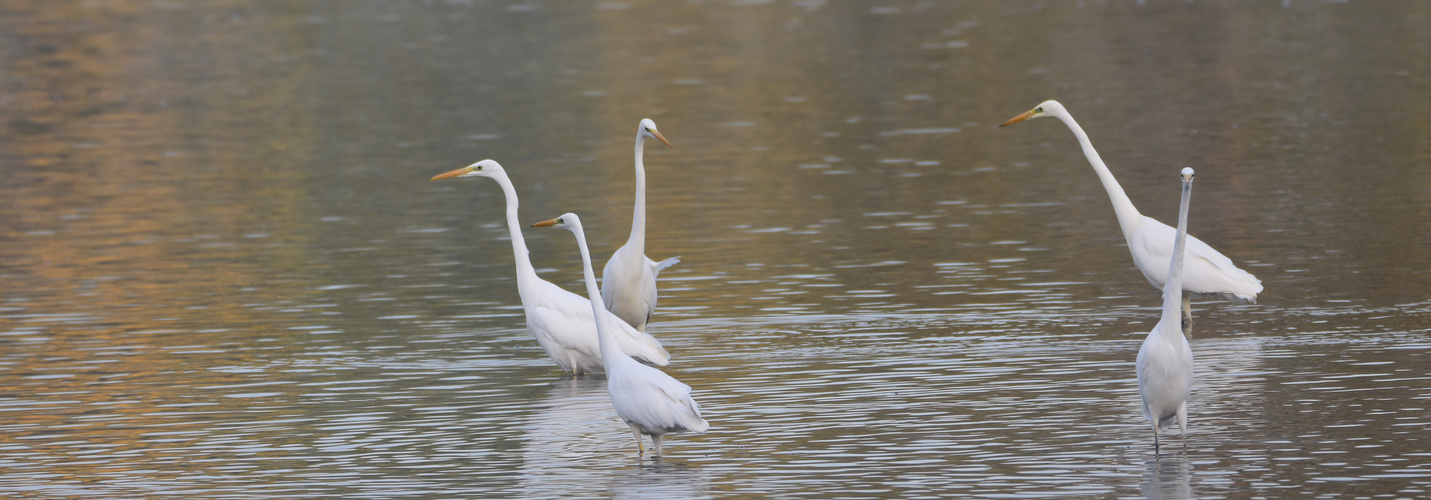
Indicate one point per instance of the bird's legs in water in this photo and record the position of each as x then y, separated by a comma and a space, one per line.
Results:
640, 448
656, 439
1187, 317
1183, 425
1155, 440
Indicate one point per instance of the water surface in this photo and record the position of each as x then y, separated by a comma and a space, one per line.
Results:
223, 272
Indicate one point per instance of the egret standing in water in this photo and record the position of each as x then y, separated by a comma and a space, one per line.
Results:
1208, 271
561, 321
1165, 362
628, 282
650, 401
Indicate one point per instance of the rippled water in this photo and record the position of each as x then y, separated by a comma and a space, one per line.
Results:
223, 272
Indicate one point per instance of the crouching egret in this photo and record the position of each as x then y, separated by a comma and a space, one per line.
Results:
650, 401
1165, 362
1208, 272
561, 321
628, 282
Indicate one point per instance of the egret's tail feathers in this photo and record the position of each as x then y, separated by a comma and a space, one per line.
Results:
641, 345
653, 354
1235, 298
692, 422
657, 267
1242, 287
1244, 290
700, 427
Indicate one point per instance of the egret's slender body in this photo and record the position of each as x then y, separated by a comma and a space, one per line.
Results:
1165, 362
561, 321
650, 401
1208, 272
628, 282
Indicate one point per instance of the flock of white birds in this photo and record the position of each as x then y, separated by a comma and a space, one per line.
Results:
606, 331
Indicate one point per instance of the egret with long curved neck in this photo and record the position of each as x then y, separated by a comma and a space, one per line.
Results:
1208, 271
650, 401
561, 321
1165, 362
628, 282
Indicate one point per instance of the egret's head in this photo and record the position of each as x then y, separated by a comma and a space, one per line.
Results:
1048, 108
484, 168
1187, 174
648, 129
566, 221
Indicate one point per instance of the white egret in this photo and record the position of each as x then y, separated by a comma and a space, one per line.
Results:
650, 401
628, 282
561, 321
1208, 271
1165, 362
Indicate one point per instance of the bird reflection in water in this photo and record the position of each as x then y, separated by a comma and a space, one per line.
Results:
660, 479
1167, 478
558, 433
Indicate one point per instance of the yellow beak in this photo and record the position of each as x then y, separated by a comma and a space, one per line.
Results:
545, 223
662, 139
1017, 119
453, 173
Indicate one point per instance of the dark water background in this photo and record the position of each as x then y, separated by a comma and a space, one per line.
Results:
223, 272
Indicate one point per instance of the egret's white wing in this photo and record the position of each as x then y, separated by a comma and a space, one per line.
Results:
654, 400
566, 318
1205, 270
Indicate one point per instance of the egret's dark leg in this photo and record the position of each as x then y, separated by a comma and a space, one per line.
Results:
1155, 440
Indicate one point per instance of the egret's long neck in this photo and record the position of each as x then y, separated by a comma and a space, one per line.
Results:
514, 226
1128, 216
610, 349
638, 214
1173, 289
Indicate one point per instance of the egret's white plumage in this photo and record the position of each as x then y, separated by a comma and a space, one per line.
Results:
1165, 363
1208, 272
561, 321
650, 401
628, 282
